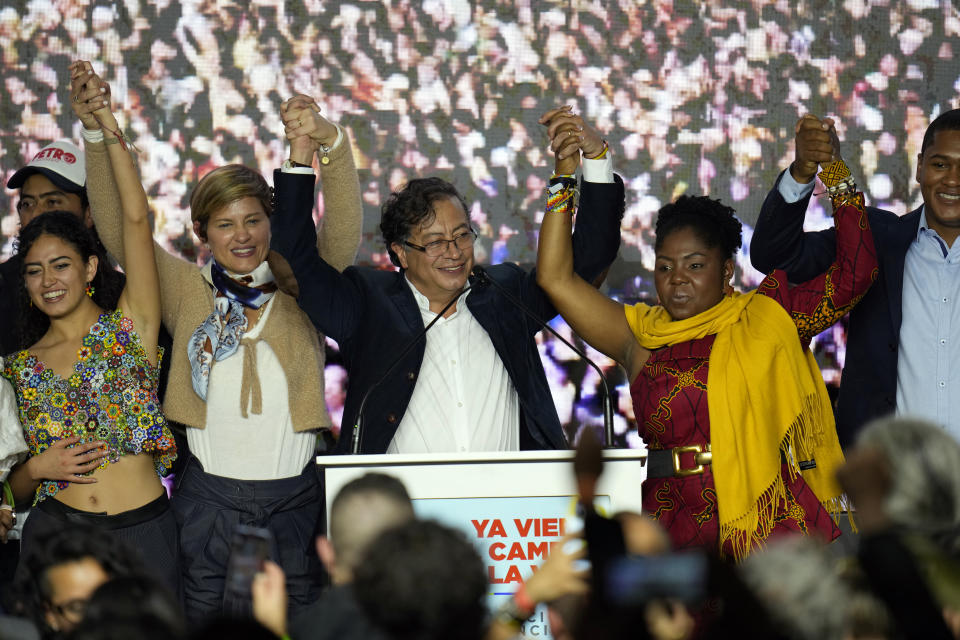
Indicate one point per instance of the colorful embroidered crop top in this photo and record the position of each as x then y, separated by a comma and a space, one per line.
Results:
111, 396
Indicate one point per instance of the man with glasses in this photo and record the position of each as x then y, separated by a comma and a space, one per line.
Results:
475, 382
67, 568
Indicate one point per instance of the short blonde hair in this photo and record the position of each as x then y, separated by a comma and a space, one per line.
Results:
225, 185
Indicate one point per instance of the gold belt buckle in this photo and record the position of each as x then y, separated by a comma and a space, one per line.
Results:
701, 458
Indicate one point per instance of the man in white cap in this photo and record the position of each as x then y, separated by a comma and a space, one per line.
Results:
53, 181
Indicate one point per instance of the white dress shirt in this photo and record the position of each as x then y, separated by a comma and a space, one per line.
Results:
464, 399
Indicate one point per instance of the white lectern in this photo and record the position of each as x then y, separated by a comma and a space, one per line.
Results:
515, 506
520, 474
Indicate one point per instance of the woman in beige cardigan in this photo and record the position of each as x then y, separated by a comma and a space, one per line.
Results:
246, 375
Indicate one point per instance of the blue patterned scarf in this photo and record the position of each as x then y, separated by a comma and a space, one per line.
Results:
219, 336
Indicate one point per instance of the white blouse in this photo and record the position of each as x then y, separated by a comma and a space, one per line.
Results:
261, 446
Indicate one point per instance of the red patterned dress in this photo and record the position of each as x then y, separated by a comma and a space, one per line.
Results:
670, 398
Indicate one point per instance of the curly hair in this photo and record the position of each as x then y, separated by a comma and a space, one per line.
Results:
412, 207
714, 223
107, 283
946, 121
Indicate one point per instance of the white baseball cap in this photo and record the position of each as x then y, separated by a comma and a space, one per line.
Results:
61, 162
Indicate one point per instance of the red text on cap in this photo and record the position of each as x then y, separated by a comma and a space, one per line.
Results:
54, 153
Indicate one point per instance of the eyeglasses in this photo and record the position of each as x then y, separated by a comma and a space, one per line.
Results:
71, 609
437, 248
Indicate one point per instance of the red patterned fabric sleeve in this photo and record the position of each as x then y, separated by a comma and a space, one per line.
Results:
817, 304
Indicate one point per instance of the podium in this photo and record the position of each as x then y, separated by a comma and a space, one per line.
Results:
493, 475
514, 506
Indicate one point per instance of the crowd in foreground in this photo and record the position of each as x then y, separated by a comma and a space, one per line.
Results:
398, 577
743, 448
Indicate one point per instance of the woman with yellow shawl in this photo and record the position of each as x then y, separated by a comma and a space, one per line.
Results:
728, 398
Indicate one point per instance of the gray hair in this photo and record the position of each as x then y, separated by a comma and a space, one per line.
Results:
799, 583
924, 477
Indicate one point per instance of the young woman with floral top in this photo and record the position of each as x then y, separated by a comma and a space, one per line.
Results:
87, 386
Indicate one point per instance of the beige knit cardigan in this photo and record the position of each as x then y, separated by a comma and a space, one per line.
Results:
187, 298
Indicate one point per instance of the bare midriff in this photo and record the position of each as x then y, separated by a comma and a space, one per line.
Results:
126, 484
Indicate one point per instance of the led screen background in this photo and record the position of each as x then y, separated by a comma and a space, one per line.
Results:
694, 97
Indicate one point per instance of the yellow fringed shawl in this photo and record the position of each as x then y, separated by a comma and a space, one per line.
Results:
765, 395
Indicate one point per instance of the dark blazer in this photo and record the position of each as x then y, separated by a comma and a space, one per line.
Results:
868, 387
373, 315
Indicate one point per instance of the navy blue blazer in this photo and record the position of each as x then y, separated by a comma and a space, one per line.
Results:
868, 386
373, 315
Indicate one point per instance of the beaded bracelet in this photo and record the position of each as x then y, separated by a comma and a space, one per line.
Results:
838, 180
561, 201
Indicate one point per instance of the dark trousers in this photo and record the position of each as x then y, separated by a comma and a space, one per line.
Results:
150, 530
209, 509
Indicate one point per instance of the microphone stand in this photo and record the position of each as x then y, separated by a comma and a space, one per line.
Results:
481, 274
358, 425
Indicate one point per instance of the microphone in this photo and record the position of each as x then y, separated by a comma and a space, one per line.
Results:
483, 279
358, 425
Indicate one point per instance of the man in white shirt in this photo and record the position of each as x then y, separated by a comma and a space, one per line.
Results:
475, 383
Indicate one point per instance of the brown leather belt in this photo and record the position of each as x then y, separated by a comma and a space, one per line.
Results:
678, 462
692, 460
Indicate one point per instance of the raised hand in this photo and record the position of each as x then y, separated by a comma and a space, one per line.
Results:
816, 144
561, 574
305, 128
570, 136
65, 460
89, 95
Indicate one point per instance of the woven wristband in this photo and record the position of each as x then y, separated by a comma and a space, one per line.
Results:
838, 180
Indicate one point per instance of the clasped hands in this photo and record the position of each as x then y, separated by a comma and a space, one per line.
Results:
816, 144
90, 97
570, 136
305, 128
